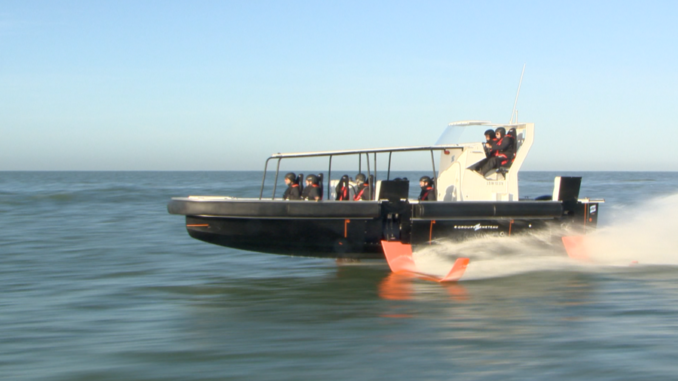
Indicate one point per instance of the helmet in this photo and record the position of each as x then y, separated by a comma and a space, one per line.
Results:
291, 176
360, 178
313, 179
490, 133
500, 131
426, 180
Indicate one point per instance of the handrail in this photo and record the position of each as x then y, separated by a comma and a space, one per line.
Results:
329, 179
435, 188
369, 185
275, 184
261, 192
388, 175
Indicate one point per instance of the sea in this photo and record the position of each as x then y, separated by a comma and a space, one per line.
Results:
99, 282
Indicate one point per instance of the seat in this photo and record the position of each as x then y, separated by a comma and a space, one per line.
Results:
394, 190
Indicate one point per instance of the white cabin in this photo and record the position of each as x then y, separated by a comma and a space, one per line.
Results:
458, 183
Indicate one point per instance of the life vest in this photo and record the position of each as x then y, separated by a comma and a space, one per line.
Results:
342, 189
343, 193
359, 196
507, 155
497, 143
425, 195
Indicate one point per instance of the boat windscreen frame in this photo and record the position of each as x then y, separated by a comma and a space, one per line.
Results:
367, 152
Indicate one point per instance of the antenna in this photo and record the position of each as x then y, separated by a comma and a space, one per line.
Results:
516, 101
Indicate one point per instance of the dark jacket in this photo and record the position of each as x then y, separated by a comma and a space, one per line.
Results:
504, 148
292, 192
311, 192
362, 192
489, 152
427, 194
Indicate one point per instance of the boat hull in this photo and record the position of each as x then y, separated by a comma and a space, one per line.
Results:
355, 229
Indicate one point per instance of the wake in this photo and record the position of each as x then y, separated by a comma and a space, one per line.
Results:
645, 234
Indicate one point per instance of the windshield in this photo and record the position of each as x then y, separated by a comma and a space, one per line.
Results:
466, 132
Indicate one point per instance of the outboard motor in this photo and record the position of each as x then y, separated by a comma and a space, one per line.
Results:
566, 190
396, 211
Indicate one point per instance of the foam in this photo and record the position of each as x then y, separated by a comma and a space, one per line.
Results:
645, 234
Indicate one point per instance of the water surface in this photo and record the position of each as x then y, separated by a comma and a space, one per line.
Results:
100, 283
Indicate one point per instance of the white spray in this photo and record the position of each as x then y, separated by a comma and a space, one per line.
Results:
645, 234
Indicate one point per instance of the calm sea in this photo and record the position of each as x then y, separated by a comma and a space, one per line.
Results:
99, 282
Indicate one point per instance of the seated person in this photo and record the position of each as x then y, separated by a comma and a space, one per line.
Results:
343, 189
363, 188
312, 190
292, 192
427, 191
490, 136
501, 151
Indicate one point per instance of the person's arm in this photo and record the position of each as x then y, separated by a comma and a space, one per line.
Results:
491, 147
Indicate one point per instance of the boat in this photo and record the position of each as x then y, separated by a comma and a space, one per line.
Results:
469, 205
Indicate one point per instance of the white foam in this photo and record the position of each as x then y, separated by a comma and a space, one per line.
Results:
646, 234
494, 257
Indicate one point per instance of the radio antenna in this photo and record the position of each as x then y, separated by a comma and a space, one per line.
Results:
514, 113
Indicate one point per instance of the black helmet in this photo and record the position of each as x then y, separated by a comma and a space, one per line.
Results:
291, 176
426, 180
500, 131
313, 179
360, 177
491, 134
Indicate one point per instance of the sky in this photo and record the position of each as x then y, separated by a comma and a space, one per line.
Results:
221, 85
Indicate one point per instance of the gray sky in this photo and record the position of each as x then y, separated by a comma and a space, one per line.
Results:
218, 85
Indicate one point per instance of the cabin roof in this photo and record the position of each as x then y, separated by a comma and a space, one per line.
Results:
466, 123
